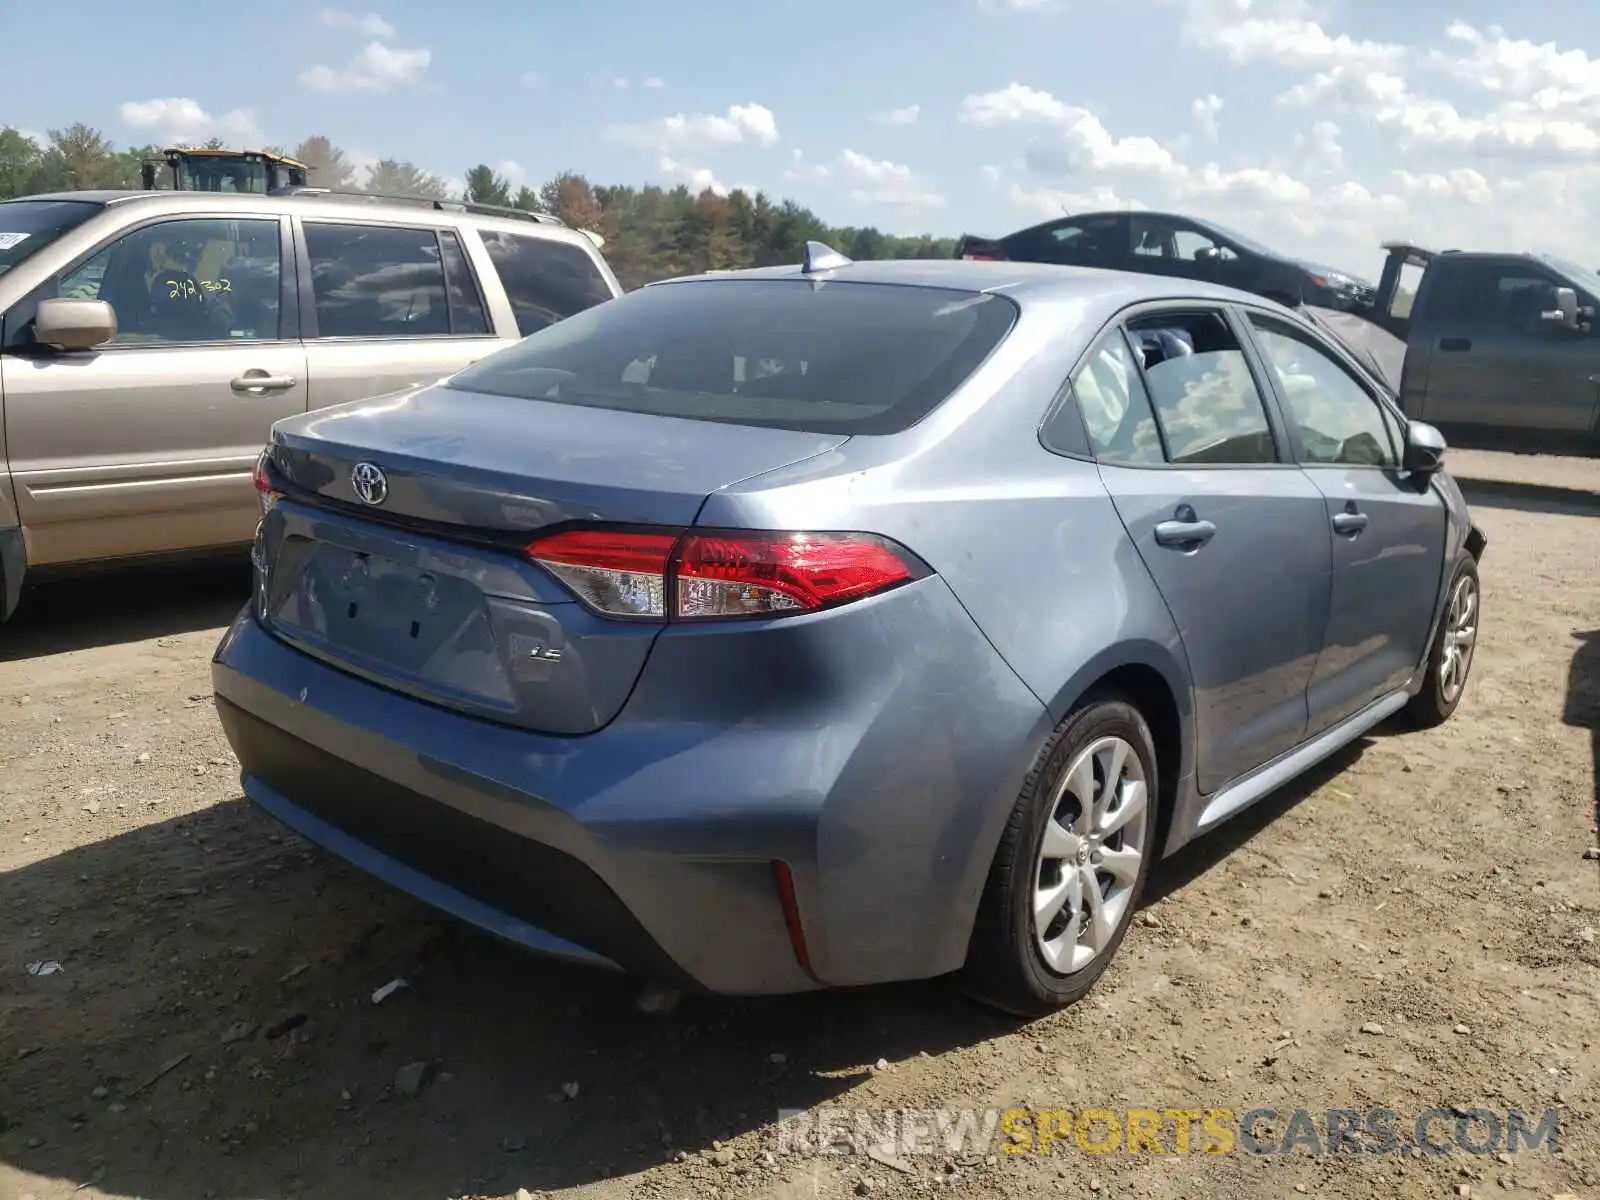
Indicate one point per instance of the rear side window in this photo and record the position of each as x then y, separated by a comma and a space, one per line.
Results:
1115, 406
1204, 394
546, 280
28, 226
389, 281
790, 354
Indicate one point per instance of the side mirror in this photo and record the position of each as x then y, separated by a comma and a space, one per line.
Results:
1208, 255
74, 324
1425, 447
1566, 314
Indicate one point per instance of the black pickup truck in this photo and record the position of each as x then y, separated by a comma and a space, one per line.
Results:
1499, 351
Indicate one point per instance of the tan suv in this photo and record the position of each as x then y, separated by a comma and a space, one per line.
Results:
148, 341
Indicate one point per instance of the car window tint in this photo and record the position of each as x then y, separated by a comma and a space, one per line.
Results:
1508, 296
467, 315
842, 357
1200, 384
1338, 420
546, 280
187, 280
377, 281
1115, 406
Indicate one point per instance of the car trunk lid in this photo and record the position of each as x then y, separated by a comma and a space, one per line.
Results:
394, 550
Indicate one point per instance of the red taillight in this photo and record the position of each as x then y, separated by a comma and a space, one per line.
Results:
711, 576
266, 490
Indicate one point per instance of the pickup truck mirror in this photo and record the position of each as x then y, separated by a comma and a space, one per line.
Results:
74, 324
1425, 447
1566, 314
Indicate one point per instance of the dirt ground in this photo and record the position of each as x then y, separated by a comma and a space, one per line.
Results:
211, 1031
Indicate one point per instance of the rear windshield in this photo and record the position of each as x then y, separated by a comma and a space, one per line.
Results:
819, 357
28, 226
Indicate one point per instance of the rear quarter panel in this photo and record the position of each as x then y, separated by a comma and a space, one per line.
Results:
1027, 540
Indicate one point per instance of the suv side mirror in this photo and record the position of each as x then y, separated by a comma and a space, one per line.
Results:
1566, 314
74, 324
1425, 447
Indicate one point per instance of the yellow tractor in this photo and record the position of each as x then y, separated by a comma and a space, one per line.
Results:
212, 170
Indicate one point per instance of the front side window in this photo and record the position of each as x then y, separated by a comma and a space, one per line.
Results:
839, 357
374, 281
1200, 384
191, 279
1162, 237
546, 280
1338, 420
1508, 296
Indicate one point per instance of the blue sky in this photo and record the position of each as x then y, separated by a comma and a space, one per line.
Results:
1321, 128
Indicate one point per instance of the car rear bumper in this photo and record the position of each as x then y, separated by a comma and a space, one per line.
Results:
880, 775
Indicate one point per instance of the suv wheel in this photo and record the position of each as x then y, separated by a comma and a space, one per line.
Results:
1071, 866
1450, 659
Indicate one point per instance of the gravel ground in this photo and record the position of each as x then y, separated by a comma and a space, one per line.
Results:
1412, 927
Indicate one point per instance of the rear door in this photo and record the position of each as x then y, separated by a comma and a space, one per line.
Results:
1233, 533
145, 445
1388, 528
387, 306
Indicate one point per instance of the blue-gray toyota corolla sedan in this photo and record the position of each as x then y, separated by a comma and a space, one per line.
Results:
842, 623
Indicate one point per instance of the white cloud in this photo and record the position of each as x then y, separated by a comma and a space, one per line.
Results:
183, 121
1283, 33
370, 24
742, 124
1205, 111
1079, 141
513, 172
655, 83
698, 179
1323, 145
1354, 87
899, 116
990, 176
620, 82
378, 68
871, 180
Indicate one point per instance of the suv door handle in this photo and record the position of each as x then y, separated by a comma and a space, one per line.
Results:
1455, 343
1185, 535
259, 383
1351, 523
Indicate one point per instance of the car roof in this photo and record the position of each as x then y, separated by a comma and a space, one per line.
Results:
317, 206
1025, 281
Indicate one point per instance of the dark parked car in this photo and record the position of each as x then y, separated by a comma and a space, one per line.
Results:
1169, 244
841, 624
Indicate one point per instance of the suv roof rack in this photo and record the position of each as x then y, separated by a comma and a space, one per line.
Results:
469, 206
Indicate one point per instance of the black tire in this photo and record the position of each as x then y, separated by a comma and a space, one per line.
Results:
1005, 967
1435, 703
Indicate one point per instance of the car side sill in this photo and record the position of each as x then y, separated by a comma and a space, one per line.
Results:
1246, 791
415, 883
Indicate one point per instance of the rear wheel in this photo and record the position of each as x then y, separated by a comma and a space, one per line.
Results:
1450, 659
1071, 866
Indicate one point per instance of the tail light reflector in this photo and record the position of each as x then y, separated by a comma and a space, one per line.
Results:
717, 575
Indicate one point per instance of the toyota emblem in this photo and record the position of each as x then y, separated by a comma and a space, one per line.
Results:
370, 484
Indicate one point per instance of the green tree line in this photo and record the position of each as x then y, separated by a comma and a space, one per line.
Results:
650, 232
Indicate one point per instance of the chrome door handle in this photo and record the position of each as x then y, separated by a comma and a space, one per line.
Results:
259, 383
1351, 523
1185, 535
